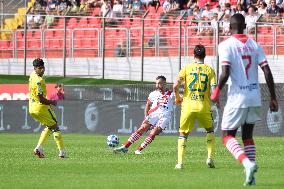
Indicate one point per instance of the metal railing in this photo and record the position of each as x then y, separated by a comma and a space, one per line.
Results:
88, 36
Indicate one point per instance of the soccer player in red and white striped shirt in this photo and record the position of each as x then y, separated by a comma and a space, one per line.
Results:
240, 57
158, 113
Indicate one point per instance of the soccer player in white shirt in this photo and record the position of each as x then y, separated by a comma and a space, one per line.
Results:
158, 112
240, 57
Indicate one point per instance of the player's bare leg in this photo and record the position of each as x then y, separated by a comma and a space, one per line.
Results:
155, 131
181, 149
210, 140
133, 137
236, 150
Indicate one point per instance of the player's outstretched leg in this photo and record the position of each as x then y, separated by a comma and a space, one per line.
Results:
181, 151
250, 167
59, 142
133, 137
146, 142
210, 139
38, 151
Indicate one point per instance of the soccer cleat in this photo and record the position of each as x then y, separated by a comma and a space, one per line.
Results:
210, 163
253, 182
62, 154
120, 149
250, 171
39, 152
179, 166
138, 152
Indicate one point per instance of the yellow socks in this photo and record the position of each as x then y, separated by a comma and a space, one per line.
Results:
210, 139
58, 139
181, 148
44, 135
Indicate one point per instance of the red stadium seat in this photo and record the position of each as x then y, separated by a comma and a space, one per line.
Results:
34, 44
37, 34
77, 43
72, 23
49, 34
83, 23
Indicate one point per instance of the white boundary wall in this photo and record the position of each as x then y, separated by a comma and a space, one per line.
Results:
123, 68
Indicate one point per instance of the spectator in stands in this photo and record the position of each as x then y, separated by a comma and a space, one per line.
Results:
136, 6
155, 3
240, 10
228, 9
218, 10
196, 13
40, 5
179, 5
105, 8
204, 28
223, 2
117, 9
226, 25
207, 13
262, 8
167, 6
251, 19
51, 6
63, 6
190, 6
58, 94
273, 9
92, 3
214, 21
127, 6
34, 19
48, 21
120, 50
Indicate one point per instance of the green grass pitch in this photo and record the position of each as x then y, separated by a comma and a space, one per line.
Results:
91, 164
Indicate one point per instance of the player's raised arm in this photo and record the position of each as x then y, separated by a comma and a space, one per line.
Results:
270, 83
176, 86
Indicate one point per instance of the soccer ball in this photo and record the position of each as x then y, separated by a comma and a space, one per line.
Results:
112, 140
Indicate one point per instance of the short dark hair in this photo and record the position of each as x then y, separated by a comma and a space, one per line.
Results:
38, 62
199, 51
237, 21
161, 77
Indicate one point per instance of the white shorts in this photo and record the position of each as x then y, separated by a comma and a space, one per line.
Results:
159, 119
233, 118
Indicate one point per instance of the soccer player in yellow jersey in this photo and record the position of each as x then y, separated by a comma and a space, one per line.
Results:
198, 79
40, 108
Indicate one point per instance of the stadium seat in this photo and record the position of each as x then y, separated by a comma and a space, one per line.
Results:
160, 10
94, 23
60, 23
72, 23
280, 39
49, 34
91, 33
4, 44
77, 43
37, 34
34, 44
96, 11
79, 33
83, 23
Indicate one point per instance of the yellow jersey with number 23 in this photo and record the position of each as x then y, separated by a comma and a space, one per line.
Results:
198, 79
